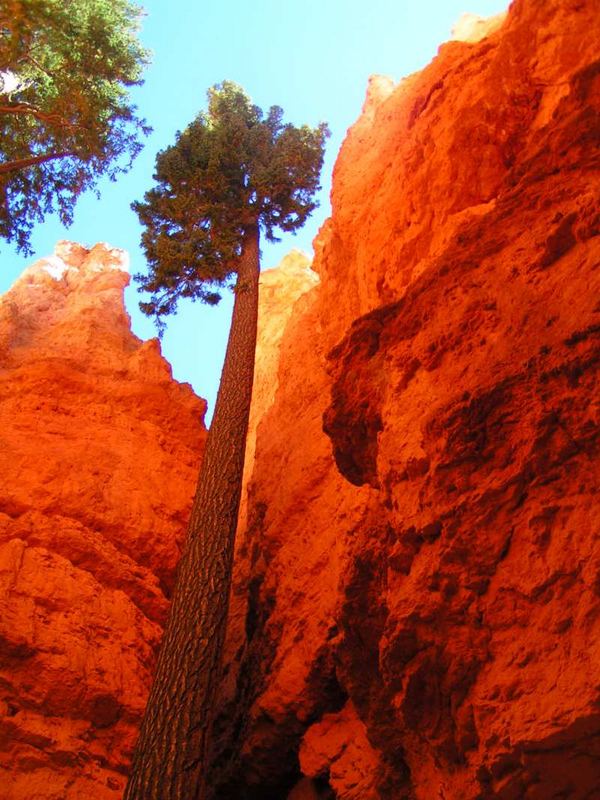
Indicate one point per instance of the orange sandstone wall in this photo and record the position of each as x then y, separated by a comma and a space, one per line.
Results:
99, 451
416, 608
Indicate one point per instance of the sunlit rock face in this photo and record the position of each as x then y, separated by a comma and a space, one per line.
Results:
279, 290
473, 28
422, 613
99, 452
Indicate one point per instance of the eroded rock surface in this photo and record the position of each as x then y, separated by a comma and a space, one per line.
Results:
421, 581
91, 422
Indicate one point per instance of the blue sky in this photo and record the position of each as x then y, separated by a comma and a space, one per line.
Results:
312, 58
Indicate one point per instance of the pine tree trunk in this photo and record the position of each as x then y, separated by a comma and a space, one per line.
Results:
170, 758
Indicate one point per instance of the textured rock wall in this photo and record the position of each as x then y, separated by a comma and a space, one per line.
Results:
422, 612
91, 422
279, 289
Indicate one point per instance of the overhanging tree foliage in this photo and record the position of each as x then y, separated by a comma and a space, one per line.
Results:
233, 173
66, 118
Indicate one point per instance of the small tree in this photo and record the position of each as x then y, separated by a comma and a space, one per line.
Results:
65, 114
232, 173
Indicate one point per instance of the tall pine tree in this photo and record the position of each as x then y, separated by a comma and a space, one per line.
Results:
233, 173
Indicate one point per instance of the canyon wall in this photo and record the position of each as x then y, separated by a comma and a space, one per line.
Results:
416, 606
91, 422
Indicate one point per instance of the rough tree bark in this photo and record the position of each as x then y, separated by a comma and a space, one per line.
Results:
170, 757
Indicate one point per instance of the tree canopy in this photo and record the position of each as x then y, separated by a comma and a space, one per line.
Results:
66, 118
233, 167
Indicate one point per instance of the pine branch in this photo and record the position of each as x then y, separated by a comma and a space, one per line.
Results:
27, 108
22, 163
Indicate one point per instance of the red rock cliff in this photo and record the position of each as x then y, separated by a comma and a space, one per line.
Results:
416, 609
99, 451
